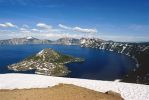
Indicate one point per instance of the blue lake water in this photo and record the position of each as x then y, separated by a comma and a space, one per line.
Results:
98, 64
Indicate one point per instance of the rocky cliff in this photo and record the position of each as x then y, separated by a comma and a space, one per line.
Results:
67, 41
138, 51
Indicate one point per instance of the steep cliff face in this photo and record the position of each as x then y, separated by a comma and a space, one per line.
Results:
129, 49
67, 41
138, 51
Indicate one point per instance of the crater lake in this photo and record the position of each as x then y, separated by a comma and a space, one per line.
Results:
98, 64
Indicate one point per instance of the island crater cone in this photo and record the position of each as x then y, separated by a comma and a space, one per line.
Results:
46, 62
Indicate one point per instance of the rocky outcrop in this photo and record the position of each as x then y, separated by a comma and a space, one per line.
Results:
67, 41
47, 62
138, 51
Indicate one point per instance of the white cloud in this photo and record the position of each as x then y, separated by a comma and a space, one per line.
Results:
8, 25
53, 35
25, 26
44, 31
35, 30
60, 35
24, 30
41, 31
44, 26
2, 25
64, 27
78, 29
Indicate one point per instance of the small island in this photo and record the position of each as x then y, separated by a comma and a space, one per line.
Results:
46, 62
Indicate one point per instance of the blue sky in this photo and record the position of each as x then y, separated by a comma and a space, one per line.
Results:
119, 20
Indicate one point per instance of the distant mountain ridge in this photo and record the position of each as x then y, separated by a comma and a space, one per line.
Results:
68, 41
85, 42
32, 40
25, 40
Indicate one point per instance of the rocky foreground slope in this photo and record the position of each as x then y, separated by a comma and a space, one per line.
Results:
57, 93
138, 51
128, 91
47, 62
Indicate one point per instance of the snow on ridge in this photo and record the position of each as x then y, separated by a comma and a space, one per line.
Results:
39, 53
29, 37
128, 91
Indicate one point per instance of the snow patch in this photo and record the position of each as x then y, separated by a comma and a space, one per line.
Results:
40, 53
83, 41
128, 91
123, 49
29, 37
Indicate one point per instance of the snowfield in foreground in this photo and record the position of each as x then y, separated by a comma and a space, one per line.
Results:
128, 91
